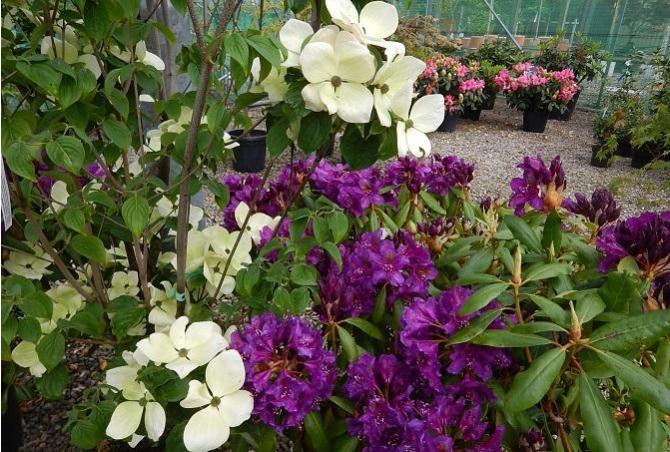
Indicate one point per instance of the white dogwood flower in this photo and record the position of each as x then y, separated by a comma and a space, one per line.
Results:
257, 221
273, 84
68, 51
59, 195
425, 116
141, 56
184, 349
377, 21
293, 35
124, 284
31, 266
225, 403
128, 415
337, 72
66, 303
25, 355
122, 376
391, 80
164, 307
222, 243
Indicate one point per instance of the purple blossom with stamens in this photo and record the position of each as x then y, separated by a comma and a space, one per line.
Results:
600, 210
540, 187
287, 368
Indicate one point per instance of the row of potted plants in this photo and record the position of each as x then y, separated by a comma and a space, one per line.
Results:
634, 122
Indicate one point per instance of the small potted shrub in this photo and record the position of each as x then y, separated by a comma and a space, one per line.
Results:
604, 131
651, 139
586, 59
536, 91
452, 79
487, 71
498, 53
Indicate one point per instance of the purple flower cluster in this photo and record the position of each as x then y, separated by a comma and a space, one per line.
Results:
397, 411
438, 174
400, 264
288, 371
353, 191
540, 187
600, 210
427, 326
646, 238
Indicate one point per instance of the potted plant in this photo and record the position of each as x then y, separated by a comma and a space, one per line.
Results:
452, 79
487, 71
250, 154
536, 91
604, 132
651, 138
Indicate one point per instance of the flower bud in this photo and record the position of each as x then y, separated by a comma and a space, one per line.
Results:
516, 275
575, 325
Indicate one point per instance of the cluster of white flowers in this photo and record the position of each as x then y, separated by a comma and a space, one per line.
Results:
344, 77
183, 349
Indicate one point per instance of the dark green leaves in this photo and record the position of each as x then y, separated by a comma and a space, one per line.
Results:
504, 338
20, 161
482, 297
365, 326
600, 428
303, 275
358, 150
51, 349
67, 152
476, 327
90, 247
135, 212
277, 140
237, 48
531, 385
316, 432
642, 384
348, 344
265, 49
552, 233
339, 226
125, 312
118, 133
547, 271
52, 384
523, 233
314, 131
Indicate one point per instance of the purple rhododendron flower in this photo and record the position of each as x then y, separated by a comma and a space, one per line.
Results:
646, 238
288, 370
540, 187
600, 210
426, 328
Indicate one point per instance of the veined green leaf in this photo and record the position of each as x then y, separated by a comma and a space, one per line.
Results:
600, 428
482, 297
531, 385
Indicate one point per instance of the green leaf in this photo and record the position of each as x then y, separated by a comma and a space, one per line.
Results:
89, 247
89, 321
118, 133
20, 161
348, 344
339, 226
357, 150
380, 305
119, 101
314, 131
366, 327
135, 212
346, 444
52, 384
68, 92
85, 434
265, 49
531, 385
523, 233
300, 300
476, 327
482, 298
334, 253
547, 271
588, 307
433, 203
641, 383
303, 275
478, 263
600, 428
175, 439
316, 432
218, 116
551, 309
277, 140
342, 403
237, 48
74, 219
67, 152
647, 434
42, 75
29, 329
321, 230
51, 349
38, 304
503, 338
620, 293
552, 233
125, 312
537, 327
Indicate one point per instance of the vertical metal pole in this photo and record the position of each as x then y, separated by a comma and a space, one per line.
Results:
515, 25
460, 20
539, 18
565, 14
429, 7
488, 24
502, 24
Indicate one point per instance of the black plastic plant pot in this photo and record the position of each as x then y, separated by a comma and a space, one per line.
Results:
472, 115
250, 154
595, 161
490, 102
448, 124
642, 156
624, 148
535, 120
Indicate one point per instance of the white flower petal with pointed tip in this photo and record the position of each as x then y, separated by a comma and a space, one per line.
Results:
293, 35
222, 243
124, 284
377, 21
25, 355
59, 195
393, 79
257, 221
164, 311
184, 349
336, 73
226, 404
127, 416
66, 296
146, 98
122, 376
30, 266
425, 116
273, 84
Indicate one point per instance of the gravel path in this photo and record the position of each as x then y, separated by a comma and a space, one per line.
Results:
496, 144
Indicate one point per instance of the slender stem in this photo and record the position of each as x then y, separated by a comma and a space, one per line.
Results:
153, 10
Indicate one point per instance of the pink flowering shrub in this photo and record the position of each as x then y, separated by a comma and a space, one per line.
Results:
453, 79
530, 87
